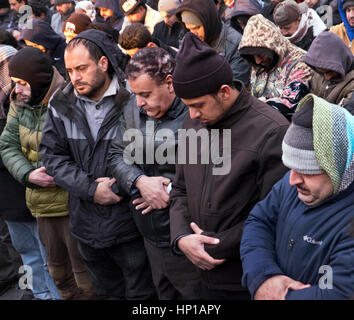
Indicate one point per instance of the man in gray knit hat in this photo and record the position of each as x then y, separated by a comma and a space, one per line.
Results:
296, 243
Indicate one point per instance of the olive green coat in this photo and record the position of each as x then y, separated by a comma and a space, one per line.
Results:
19, 149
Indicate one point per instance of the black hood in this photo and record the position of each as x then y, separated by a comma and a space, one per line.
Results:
207, 12
35, 67
41, 32
110, 49
328, 51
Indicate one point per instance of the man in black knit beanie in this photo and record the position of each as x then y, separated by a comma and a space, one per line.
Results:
35, 81
210, 201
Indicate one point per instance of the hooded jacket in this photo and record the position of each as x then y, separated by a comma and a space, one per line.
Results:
76, 160
271, 84
283, 236
219, 204
206, 11
115, 21
344, 30
244, 8
19, 148
338, 59
40, 32
171, 36
58, 20
222, 37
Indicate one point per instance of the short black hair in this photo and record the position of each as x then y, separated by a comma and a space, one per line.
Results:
39, 7
134, 36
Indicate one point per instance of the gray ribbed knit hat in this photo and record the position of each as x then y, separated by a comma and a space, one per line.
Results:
298, 147
348, 3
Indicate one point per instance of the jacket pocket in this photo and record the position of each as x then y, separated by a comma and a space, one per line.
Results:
154, 226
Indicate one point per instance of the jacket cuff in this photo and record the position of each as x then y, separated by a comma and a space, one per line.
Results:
263, 276
92, 190
175, 248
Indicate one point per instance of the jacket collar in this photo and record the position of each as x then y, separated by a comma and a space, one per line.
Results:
64, 100
174, 110
235, 112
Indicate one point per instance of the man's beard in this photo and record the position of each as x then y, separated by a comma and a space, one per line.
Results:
93, 88
21, 102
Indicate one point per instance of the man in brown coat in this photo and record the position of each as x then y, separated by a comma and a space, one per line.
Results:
218, 182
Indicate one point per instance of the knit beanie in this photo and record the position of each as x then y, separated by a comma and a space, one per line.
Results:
128, 6
191, 18
298, 149
169, 6
77, 23
4, 4
320, 140
200, 70
348, 3
286, 12
35, 67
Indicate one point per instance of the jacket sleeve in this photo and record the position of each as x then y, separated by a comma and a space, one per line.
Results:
11, 152
299, 73
179, 215
240, 68
336, 280
57, 158
125, 173
271, 169
257, 248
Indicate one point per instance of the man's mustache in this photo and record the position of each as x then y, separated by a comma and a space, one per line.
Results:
80, 83
301, 187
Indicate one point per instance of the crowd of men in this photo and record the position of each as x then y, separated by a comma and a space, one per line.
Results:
177, 150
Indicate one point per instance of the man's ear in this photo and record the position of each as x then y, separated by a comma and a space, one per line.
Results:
168, 81
103, 63
224, 92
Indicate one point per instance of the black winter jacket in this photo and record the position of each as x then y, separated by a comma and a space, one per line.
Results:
171, 36
154, 226
219, 204
75, 160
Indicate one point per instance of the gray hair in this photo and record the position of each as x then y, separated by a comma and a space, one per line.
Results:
154, 61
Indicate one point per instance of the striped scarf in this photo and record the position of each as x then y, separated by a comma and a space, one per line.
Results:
333, 135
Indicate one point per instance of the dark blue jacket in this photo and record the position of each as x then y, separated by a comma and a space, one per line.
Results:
283, 236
